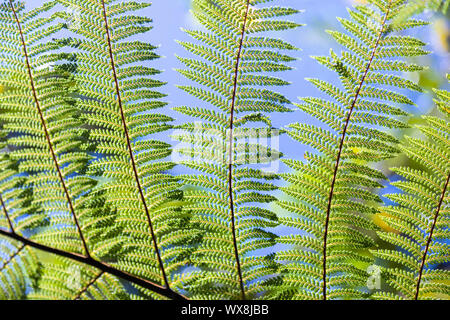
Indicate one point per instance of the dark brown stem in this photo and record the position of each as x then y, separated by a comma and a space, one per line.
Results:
86, 287
339, 154
430, 237
166, 292
231, 152
47, 135
130, 149
5, 211
11, 258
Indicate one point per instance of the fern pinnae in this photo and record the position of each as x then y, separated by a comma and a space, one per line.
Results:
341, 144
75, 281
119, 103
333, 190
419, 220
106, 287
11, 258
19, 266
130, 150
10, 279
44, 125
88, 203
5, 162
49, 147
419, 6
88, 285
228, 69
5, 212
21, 263
430, 237
230, 158
140, 282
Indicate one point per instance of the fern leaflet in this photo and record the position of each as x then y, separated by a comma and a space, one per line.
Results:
333, 199
420, 220
228, 77
119, 102
48, 142
418, 6
19, 265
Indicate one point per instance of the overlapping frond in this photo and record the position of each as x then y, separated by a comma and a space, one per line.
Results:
17, 213
119, 98
62, 279
332, 193
43, 168
420, 220
232, 68
19, 268
90, 209
418, 6
44, 132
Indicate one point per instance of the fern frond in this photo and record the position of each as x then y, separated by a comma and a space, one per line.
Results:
419, 6
63, 279
46, 142
42, 123
420, 220
120, 102
18, 213
332, 193
232, 66
45, 139
19, 268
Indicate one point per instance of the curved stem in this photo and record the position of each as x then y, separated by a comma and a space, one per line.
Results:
430, 237
166, 292
11, 258
86, 287
231, 152
130, 149
46, 132
5, 212
341, 147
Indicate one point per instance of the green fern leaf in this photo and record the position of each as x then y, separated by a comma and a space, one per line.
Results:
230, 60
119, 102
332, 193
63, 279
47, 146
419, 6
43, 124
420, 219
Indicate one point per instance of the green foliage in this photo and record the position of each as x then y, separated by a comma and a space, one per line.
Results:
418, 6
18, 264
44, 136
118, 100
44, 133
333, 197
63, 279
90, 207
229, 196
420, 218
19, 267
